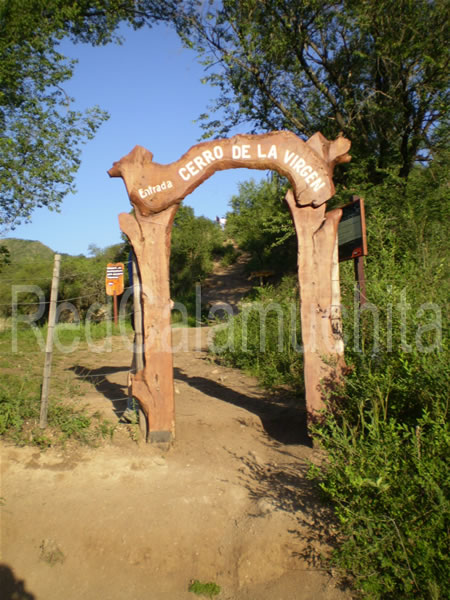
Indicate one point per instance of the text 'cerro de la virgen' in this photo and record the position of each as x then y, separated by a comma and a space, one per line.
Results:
241, 153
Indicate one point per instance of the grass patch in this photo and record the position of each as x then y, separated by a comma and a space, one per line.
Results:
20, 413
208, 589
23, 352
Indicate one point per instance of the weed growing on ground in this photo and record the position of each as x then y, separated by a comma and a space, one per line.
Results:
208, 589
264, 338
51, 553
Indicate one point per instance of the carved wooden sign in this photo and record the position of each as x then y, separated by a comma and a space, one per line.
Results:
307, 165
156, 191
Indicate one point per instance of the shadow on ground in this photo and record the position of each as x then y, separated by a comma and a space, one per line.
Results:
116, 393
282, 416
285, 486
11, 587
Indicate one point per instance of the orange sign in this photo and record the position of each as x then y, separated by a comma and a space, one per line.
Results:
114, 279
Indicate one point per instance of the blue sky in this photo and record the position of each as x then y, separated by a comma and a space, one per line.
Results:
151, 87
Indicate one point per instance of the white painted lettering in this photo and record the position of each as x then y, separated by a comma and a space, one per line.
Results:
154, 189
311, 176
218, 152
273, 152
304, 172
246, 151
288, 156
207, 155
239, 152
184, 174
300, 163
200, 162
317, 185
190, 167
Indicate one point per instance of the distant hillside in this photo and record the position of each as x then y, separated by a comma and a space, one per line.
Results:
27, 250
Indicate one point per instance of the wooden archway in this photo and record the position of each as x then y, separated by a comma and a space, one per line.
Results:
156, 191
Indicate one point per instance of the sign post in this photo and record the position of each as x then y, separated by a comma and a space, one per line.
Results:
114, 283
353, 241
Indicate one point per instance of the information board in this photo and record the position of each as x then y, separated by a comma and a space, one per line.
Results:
352, 231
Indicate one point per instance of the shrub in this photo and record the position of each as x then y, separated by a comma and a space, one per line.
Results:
389, 484
263, 338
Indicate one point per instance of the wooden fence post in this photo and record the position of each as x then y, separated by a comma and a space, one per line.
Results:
49, 343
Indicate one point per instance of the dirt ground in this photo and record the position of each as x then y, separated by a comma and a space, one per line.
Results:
228, 502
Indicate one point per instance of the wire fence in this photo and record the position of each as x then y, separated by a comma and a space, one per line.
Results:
60, 301
346, 285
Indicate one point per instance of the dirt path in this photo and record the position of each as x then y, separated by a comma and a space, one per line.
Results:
227, 285
227, 503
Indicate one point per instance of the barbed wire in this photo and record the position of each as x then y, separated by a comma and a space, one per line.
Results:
88, 375
23, 280
121, 317
61, 301
347, 284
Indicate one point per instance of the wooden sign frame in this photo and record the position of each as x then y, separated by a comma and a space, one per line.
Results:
352, 237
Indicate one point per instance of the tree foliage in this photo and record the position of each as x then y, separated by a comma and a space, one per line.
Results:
260, 223
375, 70
195, 241
40, 132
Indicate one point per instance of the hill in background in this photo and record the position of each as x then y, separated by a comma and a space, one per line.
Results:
26, 250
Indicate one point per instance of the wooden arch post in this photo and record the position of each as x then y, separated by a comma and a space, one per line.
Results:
156, 191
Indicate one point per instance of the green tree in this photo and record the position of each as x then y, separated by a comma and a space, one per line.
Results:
260, 224
5, 257
82, 279
195, 240
375, 70
40, 133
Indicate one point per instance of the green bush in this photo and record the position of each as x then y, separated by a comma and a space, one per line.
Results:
18, 403
261, 225
389, 484
208, 589
20, 414
195, 242
263, 338
386, 434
